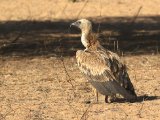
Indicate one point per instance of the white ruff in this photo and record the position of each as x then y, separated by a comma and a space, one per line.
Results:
84, 40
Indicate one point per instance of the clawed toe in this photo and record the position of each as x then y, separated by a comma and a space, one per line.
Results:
109, 99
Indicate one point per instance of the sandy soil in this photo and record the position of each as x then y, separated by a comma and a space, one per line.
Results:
40, 89
61, 9
52, 88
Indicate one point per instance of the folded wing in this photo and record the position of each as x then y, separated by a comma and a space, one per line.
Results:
104, 71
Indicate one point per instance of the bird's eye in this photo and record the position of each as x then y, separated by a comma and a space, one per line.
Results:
79, 22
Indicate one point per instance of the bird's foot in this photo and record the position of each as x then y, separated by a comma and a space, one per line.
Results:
109, 99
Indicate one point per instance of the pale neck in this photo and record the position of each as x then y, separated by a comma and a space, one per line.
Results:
84, 39
86, 32
89, 40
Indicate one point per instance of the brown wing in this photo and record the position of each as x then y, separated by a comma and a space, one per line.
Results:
97, 67
120, 72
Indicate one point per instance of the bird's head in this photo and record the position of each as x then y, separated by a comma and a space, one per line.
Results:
83, 24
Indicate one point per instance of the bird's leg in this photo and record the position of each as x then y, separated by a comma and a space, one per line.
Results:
109, 99
106, 99
97, 96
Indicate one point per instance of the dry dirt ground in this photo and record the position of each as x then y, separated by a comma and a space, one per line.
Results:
46, 87
62, 9
40, 89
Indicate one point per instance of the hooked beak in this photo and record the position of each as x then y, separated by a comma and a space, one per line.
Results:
74, 24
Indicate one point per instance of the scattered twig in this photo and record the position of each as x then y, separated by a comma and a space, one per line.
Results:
65, 69
126, 115
3, 116
72, 108
20, 34
140, 110
100, 15
14, 40
63, 9
85, 112
135, 16
82, 9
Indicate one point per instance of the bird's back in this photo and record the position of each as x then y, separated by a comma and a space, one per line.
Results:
106, 72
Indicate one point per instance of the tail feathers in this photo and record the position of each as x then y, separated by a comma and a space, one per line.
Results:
127, 84
111, 87
124, 92
131, 91
129, 88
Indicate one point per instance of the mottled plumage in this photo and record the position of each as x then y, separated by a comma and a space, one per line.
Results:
102, 68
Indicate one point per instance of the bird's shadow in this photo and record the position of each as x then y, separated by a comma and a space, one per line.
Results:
139, 99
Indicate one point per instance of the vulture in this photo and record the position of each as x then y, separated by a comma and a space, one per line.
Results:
102, 68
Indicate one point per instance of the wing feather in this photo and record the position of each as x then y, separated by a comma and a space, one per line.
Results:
102, 70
